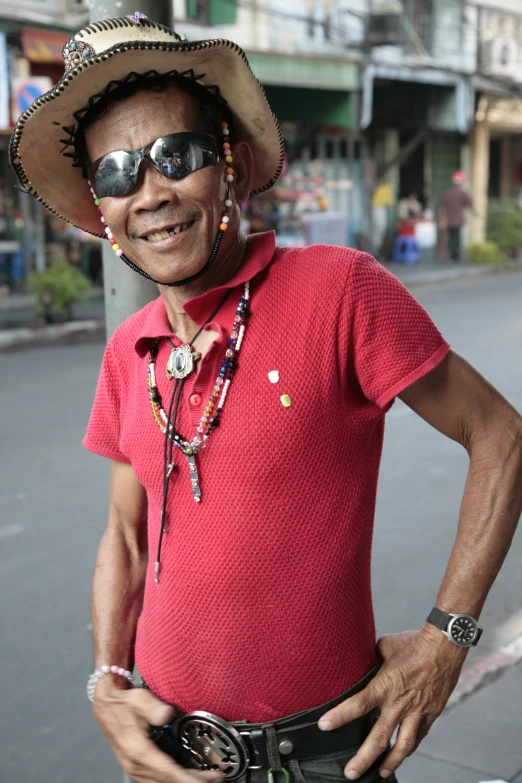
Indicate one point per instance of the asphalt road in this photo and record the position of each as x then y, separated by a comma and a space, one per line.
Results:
53, 508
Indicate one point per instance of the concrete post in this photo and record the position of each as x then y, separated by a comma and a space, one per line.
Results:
125, 291
479, 180
506, 168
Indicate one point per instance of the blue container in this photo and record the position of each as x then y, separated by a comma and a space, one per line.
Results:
406, 250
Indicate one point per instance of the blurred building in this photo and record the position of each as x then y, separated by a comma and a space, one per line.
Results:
306, 54
496, 146
32, 34
377, 99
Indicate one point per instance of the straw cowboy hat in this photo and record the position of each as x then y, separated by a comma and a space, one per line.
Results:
114, 51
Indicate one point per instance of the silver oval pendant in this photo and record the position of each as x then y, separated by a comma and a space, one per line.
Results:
180, 362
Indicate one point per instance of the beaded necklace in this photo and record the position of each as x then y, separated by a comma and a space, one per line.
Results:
210, 418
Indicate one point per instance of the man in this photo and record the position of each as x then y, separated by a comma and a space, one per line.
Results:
409, 207
455, 200
237, 576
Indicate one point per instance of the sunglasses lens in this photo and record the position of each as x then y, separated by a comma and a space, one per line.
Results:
180, 154
116, 174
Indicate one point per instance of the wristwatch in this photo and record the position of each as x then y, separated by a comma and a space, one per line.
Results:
461, 629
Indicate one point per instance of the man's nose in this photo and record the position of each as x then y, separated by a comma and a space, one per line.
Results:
154, 190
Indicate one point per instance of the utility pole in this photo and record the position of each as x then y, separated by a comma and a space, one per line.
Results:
125, 291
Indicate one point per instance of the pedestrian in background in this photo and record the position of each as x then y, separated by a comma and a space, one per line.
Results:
455, 200
382, 200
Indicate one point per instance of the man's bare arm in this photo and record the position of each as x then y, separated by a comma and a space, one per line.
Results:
119, 578
462, 405
420, 668
117, 596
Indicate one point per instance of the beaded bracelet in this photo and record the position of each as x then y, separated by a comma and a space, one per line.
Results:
98, 674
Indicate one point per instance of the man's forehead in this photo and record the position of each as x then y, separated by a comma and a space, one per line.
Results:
134, 122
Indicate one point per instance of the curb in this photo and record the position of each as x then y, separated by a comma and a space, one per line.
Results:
70, 332
94, 329
441, 276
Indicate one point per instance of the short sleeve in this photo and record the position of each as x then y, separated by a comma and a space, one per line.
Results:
394, 340
103, 430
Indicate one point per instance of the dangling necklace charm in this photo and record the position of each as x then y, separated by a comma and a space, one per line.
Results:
181, 362
210, 417
194, 478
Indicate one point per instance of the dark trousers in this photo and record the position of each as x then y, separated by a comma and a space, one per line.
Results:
454, 242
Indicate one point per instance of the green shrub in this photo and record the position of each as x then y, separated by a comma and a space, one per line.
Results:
505, 225
58, 288
486, 253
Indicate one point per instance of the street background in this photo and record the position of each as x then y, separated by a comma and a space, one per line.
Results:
381, 103
53, 512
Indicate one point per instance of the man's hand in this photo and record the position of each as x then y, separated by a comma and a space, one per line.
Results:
125, 716
419, 671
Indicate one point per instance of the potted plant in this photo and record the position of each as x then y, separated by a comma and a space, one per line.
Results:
57, 289
505, 226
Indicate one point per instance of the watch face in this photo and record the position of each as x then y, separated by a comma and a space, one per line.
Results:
463, 630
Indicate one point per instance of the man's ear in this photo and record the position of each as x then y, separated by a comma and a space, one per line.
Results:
243, 170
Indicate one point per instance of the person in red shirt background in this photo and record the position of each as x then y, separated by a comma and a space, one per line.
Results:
243, 414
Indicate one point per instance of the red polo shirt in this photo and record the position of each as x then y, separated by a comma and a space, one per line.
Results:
264, 604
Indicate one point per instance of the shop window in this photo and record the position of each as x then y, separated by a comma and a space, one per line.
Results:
212, 12
222, 11
329, 149
197, 11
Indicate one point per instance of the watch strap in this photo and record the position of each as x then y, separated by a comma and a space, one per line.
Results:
438, 619
479, 634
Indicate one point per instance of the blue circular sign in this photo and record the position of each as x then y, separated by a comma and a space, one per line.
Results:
26, 95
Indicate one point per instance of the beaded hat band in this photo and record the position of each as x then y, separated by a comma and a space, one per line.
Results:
112, 52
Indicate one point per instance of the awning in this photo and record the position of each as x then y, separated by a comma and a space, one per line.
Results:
41, 46
455, 110
313, 106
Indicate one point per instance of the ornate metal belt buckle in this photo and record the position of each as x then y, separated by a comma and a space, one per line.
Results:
208, 742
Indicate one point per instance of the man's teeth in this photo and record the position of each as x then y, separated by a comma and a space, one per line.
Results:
159, 235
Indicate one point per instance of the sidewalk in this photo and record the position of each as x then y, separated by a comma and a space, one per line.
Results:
479, 738
443, 272
18, 317
19, 322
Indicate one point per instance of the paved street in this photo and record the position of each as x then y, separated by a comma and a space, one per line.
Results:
52, 513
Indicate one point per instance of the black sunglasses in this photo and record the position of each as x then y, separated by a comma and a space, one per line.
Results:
175, 156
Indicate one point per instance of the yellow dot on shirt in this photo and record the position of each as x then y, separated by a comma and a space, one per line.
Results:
286, 401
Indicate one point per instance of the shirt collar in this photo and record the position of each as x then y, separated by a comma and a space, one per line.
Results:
260, 252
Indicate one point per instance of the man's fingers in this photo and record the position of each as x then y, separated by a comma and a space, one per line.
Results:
146, 763
149, 708
375, 744
348, 710
409, 736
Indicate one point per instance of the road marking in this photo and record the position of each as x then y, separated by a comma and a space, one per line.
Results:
486, 670
10, 530
514, 647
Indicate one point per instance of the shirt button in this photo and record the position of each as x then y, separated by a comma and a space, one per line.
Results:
195, 400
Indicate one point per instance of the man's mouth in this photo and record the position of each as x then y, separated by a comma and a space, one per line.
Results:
158, 236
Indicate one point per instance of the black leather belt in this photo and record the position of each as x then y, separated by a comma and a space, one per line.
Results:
205, 741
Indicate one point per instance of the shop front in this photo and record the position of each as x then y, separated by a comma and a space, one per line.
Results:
30, 236
319, 196
415, 123
496, 156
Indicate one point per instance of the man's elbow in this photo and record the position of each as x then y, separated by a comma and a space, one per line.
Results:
500, 439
